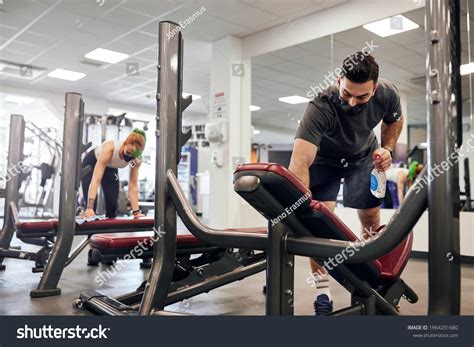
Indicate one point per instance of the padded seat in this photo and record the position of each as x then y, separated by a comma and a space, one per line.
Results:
108, 247
49, 227
36, 226
130, 240
277, 184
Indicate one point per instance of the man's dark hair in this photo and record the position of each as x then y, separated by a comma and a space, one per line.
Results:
360, 67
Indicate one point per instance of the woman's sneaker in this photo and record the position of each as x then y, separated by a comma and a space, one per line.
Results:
322, 305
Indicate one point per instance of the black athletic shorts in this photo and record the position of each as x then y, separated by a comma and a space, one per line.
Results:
325, 181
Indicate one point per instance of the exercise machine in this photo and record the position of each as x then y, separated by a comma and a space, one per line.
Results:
36, 191
62, 231
12, 196
197, 268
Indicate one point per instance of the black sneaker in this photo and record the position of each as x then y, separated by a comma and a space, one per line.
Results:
322, 305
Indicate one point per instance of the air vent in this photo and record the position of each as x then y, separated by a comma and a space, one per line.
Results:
94, 63
19, 70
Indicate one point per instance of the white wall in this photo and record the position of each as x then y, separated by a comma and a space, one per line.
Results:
269, 135
229, 105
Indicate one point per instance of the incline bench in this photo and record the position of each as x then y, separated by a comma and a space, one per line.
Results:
279, 195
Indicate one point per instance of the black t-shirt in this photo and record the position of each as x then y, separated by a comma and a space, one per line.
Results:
344, 138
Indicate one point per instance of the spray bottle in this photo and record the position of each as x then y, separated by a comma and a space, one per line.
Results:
378, 183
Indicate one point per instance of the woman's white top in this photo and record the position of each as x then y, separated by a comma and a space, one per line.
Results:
115, 162
393, 172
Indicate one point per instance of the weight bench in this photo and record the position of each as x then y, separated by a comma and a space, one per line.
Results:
43, 233
199, 268
280, 196
107, 248
49, 228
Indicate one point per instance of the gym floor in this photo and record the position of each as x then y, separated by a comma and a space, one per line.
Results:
240, 298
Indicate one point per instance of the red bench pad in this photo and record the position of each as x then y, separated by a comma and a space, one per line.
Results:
130, 240
52, 224
394, 262
277, 169
389, 266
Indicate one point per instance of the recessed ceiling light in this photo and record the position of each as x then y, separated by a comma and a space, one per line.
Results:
106, 55
294, 99
467, 69
66, 75
391, 26
195, 97
18, 99
254, 108
256, 132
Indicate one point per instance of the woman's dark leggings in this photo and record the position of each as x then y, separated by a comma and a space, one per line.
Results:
110, 185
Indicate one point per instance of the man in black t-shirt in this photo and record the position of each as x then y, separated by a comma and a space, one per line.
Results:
335, 140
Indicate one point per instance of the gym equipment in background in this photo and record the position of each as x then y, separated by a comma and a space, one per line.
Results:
16, 175
35, 192
64, 229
